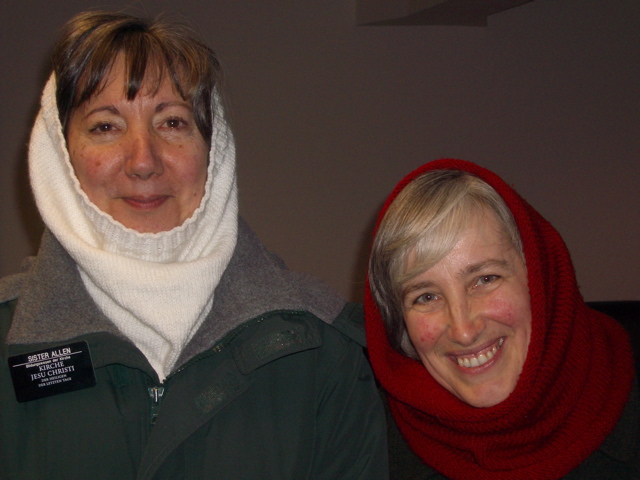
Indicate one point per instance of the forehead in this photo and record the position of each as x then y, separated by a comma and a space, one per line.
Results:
484, 231
480, 238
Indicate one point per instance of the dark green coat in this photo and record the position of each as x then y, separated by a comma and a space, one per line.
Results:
282, 395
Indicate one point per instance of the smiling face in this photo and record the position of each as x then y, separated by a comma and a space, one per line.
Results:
144, 161
469, 316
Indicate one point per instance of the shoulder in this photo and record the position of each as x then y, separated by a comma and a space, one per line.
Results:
280, 333
257, 281
627, 314
10, 287
618, 458
619, 455
350, 322
404, 463
345, 331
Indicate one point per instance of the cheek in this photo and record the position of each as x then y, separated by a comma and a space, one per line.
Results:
193, 181
423, 332
513, 311
192, 166
501, 309
200, 171
90, 168
87, 164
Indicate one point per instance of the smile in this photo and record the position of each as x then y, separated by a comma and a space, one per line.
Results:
145, 203
481, 359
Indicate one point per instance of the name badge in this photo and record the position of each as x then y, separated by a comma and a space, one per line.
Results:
53, 371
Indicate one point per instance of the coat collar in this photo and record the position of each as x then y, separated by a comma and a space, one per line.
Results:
53, 305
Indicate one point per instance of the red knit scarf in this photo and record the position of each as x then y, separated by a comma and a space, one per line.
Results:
574, 385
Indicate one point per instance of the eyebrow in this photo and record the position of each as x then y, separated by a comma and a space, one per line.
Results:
477, 267
104, 108
163, 105
412, 287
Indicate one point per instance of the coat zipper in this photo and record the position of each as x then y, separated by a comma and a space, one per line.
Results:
156, 394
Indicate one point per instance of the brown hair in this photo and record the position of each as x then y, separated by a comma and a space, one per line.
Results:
91, 41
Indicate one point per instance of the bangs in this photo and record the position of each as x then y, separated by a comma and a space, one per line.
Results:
145, 63
434, 239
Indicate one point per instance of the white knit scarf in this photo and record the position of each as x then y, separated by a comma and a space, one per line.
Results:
157, 288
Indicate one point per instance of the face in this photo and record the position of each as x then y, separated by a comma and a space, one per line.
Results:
144, 162
469, 316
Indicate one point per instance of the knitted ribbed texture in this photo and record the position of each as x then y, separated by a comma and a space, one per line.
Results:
572, 390
155, 287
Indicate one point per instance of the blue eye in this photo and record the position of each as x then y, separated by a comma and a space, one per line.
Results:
425, 298
487, 279
425, 303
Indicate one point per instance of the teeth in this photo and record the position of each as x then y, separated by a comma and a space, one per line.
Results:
469, 362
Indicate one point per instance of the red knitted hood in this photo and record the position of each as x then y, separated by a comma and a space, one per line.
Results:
570, 394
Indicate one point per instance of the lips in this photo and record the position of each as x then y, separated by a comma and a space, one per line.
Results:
480, 358
145, 202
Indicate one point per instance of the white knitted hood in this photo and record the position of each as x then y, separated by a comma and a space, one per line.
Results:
155, 287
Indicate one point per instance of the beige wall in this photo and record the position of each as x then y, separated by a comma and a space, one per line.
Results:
328, 116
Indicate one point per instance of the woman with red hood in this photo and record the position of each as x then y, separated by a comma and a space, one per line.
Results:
493, 365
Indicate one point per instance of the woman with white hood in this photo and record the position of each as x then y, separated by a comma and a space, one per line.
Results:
153, 336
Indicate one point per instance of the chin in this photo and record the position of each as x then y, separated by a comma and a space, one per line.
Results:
148, 224
145, 227
484, 403
488, 396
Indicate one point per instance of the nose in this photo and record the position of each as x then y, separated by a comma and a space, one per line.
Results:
143, 157
465, 325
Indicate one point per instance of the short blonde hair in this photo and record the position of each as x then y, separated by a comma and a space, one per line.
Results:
424, 223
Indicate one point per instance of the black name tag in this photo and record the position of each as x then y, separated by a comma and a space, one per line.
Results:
52, 371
